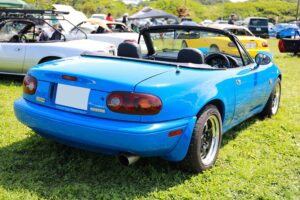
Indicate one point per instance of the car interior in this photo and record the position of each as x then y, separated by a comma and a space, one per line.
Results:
25, 31
185, 55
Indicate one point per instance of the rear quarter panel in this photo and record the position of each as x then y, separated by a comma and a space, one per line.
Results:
38, 51
184, 94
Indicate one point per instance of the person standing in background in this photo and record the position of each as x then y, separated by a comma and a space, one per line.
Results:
125, 18
109, 17
232, 19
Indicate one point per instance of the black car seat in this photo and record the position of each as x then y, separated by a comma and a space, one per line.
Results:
190, 55
130, 49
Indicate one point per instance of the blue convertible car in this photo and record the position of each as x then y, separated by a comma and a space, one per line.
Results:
159, 100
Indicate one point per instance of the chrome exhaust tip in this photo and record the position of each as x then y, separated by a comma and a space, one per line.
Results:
128, 159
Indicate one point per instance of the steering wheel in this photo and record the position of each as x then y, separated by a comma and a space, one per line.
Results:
22, 39
233, 61
14, 38
217, 60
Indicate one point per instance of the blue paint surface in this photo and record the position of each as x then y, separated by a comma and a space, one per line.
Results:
182, 94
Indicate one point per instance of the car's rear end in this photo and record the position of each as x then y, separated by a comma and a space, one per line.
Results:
254, 44
92, 104
259, 27
289, 45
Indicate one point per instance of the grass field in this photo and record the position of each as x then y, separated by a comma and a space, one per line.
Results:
258, 159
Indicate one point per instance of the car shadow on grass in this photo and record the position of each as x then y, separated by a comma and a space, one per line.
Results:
46, 169
50, 170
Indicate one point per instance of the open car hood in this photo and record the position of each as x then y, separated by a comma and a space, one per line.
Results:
74, 16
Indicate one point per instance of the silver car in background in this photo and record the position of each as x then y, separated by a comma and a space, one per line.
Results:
30, 37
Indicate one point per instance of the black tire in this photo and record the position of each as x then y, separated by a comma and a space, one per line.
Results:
214, 48
194, 160
271, 108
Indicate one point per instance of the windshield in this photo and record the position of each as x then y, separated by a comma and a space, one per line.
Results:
98, 27
34, 30
258, 22
10, 29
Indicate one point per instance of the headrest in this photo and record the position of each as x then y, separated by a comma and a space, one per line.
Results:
190, 55
130, 49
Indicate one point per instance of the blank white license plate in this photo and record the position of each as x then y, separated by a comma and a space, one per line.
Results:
71, 96
251, 45
258, 29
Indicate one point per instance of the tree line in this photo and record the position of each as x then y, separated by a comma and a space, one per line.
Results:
198, 10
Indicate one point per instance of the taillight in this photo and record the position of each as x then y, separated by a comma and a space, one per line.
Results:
29, 84
134, 103
231, 44
264, 44
281, 46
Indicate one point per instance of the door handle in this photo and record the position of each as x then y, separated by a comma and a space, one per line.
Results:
18, 49
238, 81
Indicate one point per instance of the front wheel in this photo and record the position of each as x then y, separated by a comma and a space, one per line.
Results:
205, 141
271, 108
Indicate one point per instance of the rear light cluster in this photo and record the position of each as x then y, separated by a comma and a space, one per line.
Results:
264, 44
29, 85
134, 103
281, 46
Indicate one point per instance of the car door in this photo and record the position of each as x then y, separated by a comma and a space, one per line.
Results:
12, 52
250, 88
12, 57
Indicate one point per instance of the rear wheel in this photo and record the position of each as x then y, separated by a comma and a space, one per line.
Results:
271, 108
205, 142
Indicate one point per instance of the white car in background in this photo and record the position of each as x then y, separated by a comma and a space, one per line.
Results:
95, 28
27, 41
99, 16
102, 30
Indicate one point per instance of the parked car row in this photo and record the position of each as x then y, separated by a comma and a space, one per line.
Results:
260, 27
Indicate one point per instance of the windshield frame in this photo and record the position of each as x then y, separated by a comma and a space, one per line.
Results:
146, 34
35, 15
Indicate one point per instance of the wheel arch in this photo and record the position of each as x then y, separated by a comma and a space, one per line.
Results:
218, 103
49, 58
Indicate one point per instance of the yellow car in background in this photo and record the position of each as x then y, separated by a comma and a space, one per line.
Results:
217, 43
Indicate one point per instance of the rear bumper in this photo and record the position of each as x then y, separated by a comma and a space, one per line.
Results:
107, 136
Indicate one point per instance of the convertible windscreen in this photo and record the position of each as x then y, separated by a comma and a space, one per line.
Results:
169, 43
36, 30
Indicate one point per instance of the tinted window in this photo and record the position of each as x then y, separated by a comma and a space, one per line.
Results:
240, 32
259, 22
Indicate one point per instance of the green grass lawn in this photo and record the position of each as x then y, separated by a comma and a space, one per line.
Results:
258, 159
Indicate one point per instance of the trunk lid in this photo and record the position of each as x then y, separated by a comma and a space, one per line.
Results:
95, 78
104, 74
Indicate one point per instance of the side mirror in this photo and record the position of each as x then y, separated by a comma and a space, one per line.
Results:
263, 58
